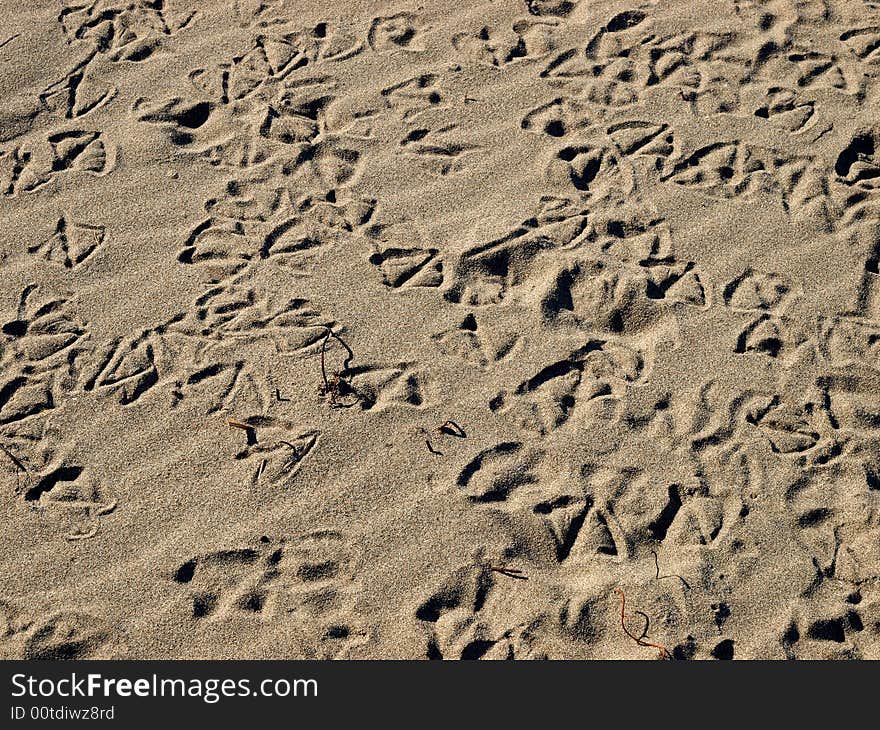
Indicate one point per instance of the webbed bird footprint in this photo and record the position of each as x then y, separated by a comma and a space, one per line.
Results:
373, 386
600, 370
40, 162
70, 635
278, 452
71, 244
310, 579
859, 163
228, 581
70, 493
525, 40
466, 343
408, 267
398, 31
177, 116
495, 472
756, 290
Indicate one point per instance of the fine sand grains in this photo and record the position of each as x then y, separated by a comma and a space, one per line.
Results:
511, 329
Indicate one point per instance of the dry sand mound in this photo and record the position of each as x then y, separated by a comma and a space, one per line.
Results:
378, 329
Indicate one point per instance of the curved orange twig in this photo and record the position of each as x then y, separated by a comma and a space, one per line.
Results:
664, 652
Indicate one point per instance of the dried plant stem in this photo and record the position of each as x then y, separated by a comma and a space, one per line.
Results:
640, 640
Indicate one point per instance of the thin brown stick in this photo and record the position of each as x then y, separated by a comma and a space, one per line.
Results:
647, 618
345, 363
451, 428
509, 572
640, 640
10, 39
657, 575
250, 431
323, 361
424, 433
14, 459
334, 386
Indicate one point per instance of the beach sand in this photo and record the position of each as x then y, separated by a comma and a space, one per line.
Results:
400, 330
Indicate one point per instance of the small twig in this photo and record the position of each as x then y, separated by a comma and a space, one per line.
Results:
448, 428
14, 459
657, 576
334, 387
509, 572
451, 428
424, 433
647, 618
260, 470
347, 362
640, 640
323, 361
19, 466
279, 398
247, 428
822, 133
294, 460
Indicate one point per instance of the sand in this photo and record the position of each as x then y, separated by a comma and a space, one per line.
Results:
387, 330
